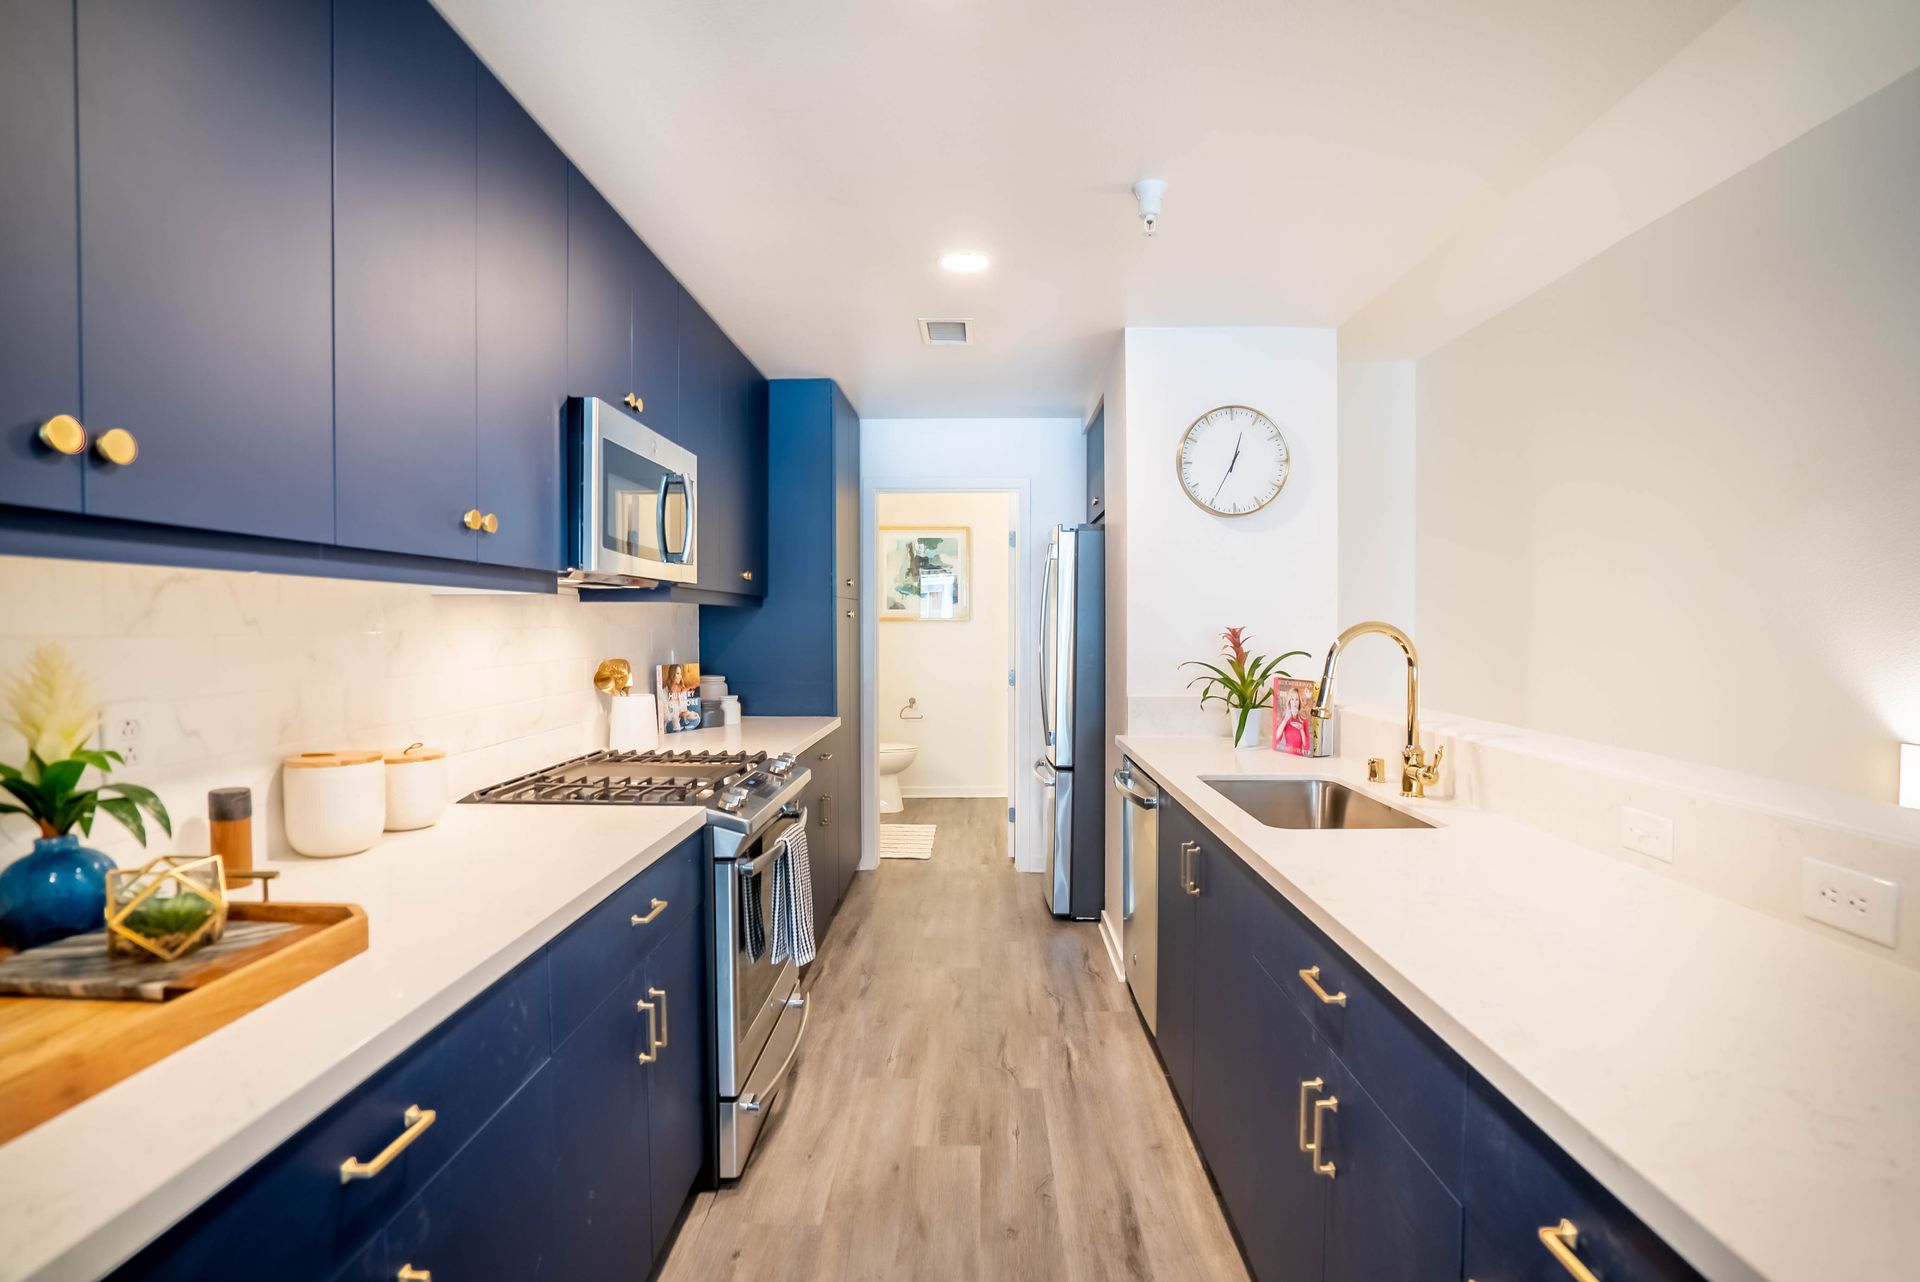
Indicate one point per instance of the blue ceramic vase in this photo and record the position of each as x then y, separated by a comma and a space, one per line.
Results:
58, 890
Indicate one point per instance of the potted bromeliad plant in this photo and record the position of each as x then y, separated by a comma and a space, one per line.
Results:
1241, 682
60, 888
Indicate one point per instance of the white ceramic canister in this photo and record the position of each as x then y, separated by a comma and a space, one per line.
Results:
713, 688
333, 803
416, 787
633, 723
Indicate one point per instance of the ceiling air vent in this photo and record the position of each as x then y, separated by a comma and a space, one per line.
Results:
946, 333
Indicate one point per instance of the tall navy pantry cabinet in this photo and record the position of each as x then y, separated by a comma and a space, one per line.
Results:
331, 284
798, 654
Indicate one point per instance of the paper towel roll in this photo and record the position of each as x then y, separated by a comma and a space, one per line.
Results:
633, 725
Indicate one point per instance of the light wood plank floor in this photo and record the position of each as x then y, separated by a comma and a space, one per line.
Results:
975, 1099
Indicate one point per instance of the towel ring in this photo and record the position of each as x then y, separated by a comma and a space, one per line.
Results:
913, 707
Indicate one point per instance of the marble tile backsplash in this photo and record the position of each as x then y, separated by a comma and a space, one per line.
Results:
227, 673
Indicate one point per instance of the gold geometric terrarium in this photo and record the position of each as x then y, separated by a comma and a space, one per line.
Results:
168, 908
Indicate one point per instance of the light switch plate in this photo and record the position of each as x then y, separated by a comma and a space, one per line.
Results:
1647, 833
1851, 901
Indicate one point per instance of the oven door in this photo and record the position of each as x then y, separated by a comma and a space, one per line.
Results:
751, 990
634, 498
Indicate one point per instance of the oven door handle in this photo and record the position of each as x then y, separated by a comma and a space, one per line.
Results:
756, 1100
772, 846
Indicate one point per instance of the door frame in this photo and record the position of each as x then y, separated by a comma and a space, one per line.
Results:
1023, 792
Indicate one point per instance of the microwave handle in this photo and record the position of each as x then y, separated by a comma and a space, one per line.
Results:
674, 556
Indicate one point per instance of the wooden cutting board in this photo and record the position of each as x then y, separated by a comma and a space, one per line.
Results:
57, 1051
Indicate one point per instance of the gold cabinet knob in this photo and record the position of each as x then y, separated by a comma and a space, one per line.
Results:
747, 575
634, 402
490, 524
63, 434
116, 445
472, 519
408, 1273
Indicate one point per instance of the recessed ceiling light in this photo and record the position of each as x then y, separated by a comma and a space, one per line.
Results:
964, 262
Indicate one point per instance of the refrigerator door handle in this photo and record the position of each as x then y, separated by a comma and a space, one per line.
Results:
1046, 644
1043, 771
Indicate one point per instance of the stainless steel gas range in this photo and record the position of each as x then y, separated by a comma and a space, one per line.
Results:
752, 801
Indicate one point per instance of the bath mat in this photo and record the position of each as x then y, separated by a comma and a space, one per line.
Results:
906, 841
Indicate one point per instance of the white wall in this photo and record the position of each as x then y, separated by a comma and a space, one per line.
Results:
1043, 462
957, 670
1376, 521
1190, 573
229, 673
1668, 502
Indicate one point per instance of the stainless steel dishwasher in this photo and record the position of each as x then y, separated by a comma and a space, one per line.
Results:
1140, 871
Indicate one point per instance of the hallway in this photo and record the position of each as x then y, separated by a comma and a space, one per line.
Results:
976, 1098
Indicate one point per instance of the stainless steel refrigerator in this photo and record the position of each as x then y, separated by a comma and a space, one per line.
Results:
1073, 700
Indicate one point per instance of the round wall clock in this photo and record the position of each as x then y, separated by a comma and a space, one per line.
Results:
1232, 461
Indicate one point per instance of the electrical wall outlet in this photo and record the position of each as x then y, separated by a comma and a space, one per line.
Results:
1647, 833
121, 731
1851, 901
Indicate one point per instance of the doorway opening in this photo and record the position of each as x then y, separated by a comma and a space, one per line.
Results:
946, 670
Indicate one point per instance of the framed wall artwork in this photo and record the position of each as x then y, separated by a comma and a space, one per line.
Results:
926, 574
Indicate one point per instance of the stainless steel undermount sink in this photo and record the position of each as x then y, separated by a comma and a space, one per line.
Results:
1309, 803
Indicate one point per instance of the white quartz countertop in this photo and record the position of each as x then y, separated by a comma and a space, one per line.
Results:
1750, 1090
450, 910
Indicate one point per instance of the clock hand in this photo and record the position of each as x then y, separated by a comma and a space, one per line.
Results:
1231, 464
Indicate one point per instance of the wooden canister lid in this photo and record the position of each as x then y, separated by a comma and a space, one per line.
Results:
315, 760
417, 752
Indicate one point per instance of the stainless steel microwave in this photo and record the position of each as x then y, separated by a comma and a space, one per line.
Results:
632, 496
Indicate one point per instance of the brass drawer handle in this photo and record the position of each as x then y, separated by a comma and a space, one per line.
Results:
490, 524
417, 1119
472, 518
653, 1031
747, 575
1308, 1087
1321, 1107
1311, 975
659, 906
408, 1273
116, 445
1188, 850
661, 995
634, 403
1560, 1239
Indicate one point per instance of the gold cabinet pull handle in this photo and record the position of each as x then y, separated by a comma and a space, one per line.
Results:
653, 1032
1311, 975
408, 1273
1188, 849
1321, 1107
1308, 1087
417, 1119
1560, 1240
472, 519
490, 524
117, 445
63, 435
659, 906
634, 403
660, 995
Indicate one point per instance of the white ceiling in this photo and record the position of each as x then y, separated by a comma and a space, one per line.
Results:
802, 166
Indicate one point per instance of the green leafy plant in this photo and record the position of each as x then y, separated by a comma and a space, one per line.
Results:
1241, 683
52, 708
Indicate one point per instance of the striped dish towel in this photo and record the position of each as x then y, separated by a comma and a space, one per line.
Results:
752, 928
792, 907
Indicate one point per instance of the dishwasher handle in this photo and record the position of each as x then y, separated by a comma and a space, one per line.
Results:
1123, 781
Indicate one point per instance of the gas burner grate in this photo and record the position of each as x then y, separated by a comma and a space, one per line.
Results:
649, 778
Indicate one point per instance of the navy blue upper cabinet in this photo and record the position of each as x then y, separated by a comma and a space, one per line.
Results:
656, 347
39, 254
404, 222
599, 295
206, 259
722, 420
522, 298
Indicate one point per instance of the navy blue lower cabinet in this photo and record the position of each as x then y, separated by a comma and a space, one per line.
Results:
677, 1101
602, 1197
1281, 1218
1389, 1218
39, 255
489, 1214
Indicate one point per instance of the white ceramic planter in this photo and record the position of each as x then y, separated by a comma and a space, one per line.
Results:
333, 803
1259, 731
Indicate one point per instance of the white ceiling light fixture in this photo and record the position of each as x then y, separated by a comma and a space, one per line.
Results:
964, 262
1148, 192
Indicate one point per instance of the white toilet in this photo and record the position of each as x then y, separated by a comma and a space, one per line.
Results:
894, 757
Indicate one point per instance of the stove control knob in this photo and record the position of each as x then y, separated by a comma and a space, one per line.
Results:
780, 765
733, 800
